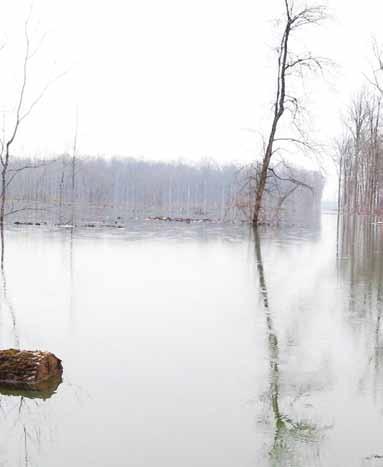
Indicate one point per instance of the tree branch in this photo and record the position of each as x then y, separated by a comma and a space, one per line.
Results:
25, 167
291, 180
14, 211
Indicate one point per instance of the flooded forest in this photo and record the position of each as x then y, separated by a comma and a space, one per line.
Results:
84, 191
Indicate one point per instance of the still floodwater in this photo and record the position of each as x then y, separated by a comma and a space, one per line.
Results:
194, 346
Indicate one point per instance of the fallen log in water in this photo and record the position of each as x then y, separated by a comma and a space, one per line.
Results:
29, 369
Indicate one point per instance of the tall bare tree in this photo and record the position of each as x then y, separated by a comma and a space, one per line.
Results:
22, 111
289, 63
7, 143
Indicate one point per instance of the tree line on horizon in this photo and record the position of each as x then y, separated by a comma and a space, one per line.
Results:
98, 189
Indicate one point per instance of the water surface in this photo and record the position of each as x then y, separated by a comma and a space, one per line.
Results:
197, 345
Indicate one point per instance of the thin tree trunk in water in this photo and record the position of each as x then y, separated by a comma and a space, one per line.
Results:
74, 171
279, 108
73, 187
261, 187
339, 205
2, 206
2, 245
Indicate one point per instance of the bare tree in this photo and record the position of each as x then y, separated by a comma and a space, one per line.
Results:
289, 192
359, 155
288, 64
73, 171
22, 111
7, 144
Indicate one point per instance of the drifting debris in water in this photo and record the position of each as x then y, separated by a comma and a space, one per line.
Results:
188, 220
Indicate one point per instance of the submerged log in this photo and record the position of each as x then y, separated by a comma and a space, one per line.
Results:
29, 369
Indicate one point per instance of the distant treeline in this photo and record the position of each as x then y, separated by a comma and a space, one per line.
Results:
87, 189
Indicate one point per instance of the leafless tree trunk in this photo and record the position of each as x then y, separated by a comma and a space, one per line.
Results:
287, 64
73, 178
7, 142
61, 191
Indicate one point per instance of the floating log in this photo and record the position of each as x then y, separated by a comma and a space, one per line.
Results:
29, 369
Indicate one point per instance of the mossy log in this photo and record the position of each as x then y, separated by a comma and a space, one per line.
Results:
28, 368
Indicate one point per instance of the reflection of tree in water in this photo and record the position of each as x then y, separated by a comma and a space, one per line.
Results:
28, 417
8, 305
360, 267
25, 424
291, 436
24, 413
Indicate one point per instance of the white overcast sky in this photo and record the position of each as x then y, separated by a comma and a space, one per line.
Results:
169, 79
